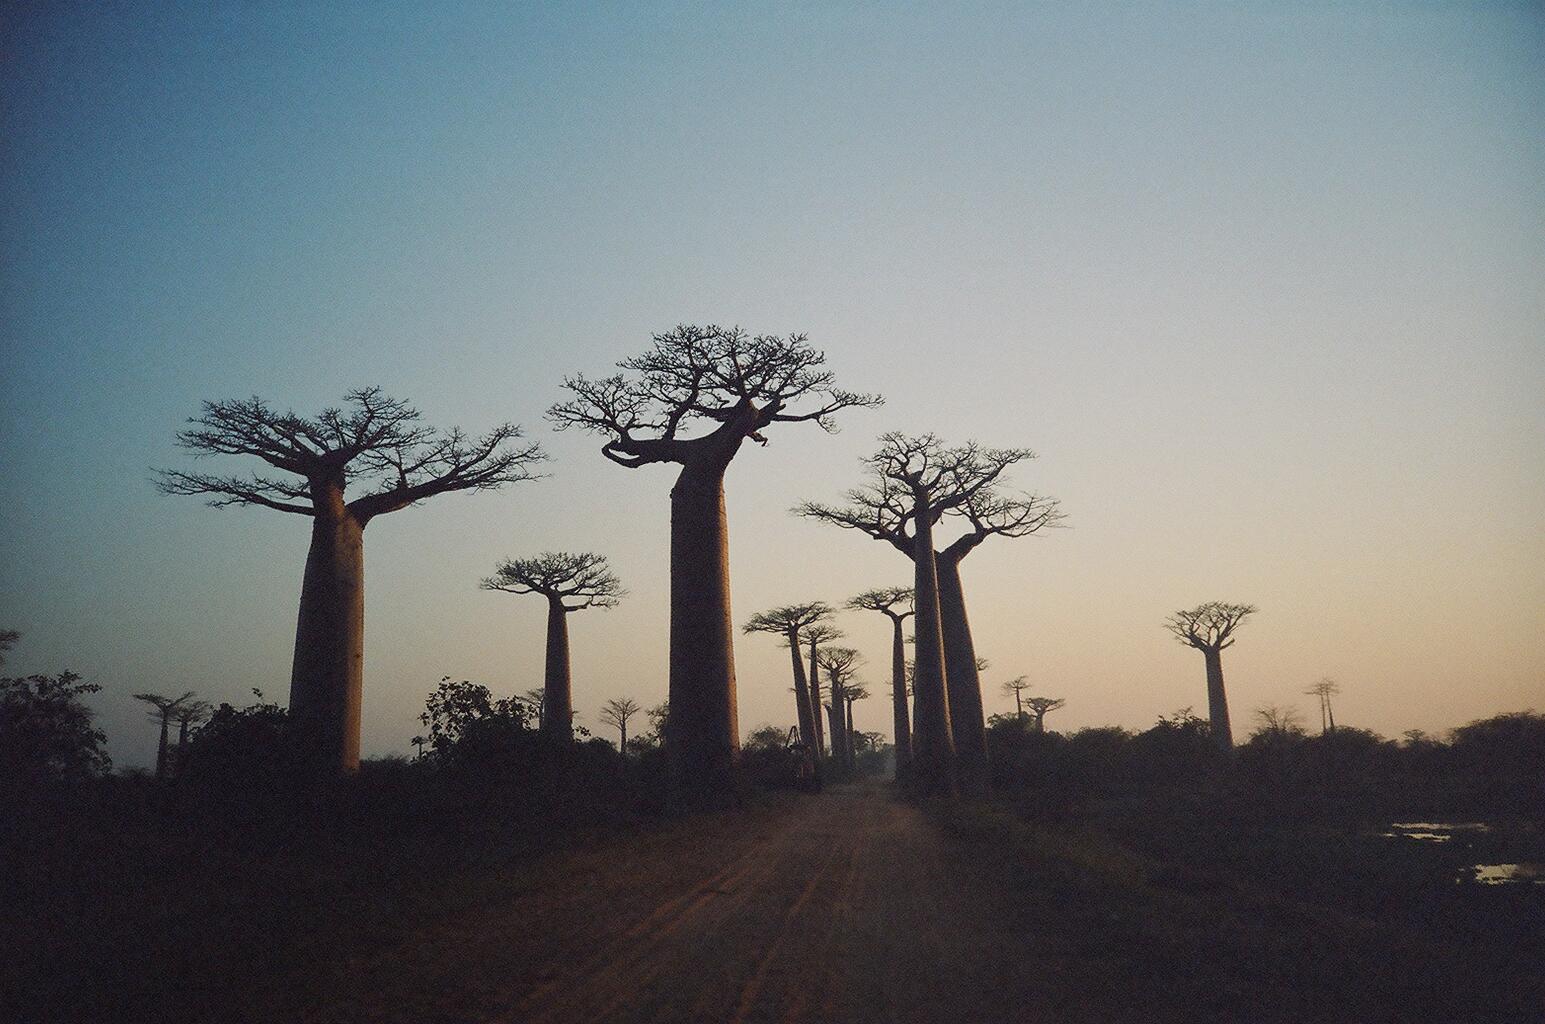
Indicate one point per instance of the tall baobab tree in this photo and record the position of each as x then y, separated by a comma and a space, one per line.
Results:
915, 481
841, 665
376, 445
1210, 629
735, 386
816, 637
1016, 688
570, 583
1325, 689
164, 711
617, 713
895, 603
788, 622
1040, 707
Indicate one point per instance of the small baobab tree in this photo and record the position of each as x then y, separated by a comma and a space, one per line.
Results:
914, 482
617, 714
816, 637
1040, 707
895, 603
851, 694
1325, 689
376, 445
570, 583
735, 386
841, 665
1210, 629
788, 622
163, 712
1016, 688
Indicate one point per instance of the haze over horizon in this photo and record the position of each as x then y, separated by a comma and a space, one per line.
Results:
1263, 289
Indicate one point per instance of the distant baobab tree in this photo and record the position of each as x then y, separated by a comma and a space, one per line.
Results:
570, 583
851, 694
816, 636
165, 710
915, 481
190, 714
1210, 629
841, 665
737, 385
1016, 688
617, 713
788, 622
8, 638
375, 445
1040, 707
1325, 689
895, 603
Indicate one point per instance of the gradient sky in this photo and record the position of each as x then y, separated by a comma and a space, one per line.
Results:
1263, 285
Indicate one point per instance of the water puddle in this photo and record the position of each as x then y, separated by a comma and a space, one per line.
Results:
1502, 874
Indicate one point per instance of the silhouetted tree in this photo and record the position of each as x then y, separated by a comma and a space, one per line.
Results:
165, 711
189, 715
788, 622
376, 445
736, 386
535, 700
816, 636
851, 693
570, 583
1016, 688
469, 726
46, 731
617, 713
895, 603
841, 665
1325, 689
8, 638
1040, 707
915, 481
1210, 629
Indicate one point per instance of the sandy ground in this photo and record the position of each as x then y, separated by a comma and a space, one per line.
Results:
845, 907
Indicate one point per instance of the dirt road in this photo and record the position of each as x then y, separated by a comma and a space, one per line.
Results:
845, 907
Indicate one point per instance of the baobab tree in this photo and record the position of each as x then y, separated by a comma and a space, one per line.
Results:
1325, 689
375, 445
189, 714
915, 481
617, 713
165, 710
570, 583
788, 622
852, 693
1040, 707
735, 386
1210, 629
8, 638
841, 665
816, 637
895, 603
1016, 688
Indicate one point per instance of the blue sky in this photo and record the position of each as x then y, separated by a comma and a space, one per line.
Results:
1263, 286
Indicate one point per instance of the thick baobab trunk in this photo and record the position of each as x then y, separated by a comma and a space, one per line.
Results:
1330, 713
834, 714
1040, 722
963, 682
182, 746
1217, 700
557, 720
902, 722
704, 734
328, 675
161, 748
815, 703
933, 745
801, 693
622, 744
